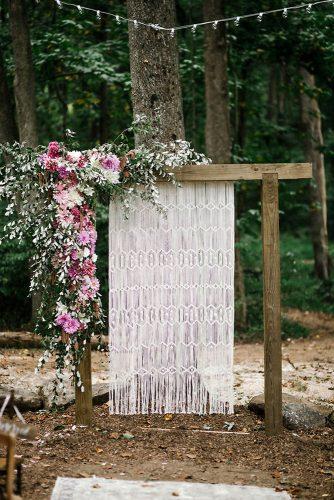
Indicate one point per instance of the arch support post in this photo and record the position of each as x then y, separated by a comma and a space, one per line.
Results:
271, 305
83, 400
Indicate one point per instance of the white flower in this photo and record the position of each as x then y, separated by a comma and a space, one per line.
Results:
112, 177
95, 162
74, 155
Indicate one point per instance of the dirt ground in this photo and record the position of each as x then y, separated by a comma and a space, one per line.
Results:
301, 463
186, 447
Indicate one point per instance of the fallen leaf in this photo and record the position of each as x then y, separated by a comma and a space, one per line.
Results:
99, 450
114, 435
168, 417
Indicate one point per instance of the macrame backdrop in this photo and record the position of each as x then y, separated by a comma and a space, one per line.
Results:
171, 304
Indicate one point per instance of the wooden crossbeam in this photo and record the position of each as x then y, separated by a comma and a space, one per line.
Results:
243, 171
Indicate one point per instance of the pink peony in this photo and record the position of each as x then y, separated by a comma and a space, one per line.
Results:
53, 149
111, 162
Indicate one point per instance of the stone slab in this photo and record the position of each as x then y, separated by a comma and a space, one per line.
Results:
102, 489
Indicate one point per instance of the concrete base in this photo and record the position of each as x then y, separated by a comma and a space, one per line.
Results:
102, 489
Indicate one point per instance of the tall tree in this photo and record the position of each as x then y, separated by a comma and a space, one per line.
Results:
7, 121
313, 142
156, 90
217, 124
24, 88
24, 81
217, 127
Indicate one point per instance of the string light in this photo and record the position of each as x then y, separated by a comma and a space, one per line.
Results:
214, 23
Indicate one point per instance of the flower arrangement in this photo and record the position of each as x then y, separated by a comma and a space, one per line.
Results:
51, 194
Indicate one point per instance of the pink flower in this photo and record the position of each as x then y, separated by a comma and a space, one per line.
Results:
73, 271
88, 268
90, 288
68, 324
53, 149
50, 164
111, 162
74, 255
63, 172
84, 237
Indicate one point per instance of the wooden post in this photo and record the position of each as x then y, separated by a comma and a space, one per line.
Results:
83, 400
271, 305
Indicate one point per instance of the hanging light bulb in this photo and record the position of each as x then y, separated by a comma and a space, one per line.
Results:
118, 21
260, 16
309, 8
193, 29
98, 15
135, 23
285, 13
58, 2
79, 8
237, 21
215, 24
172, 33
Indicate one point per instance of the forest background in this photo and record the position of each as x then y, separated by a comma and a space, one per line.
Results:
279, 82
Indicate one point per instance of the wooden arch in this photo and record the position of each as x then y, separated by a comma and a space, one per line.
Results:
269, 174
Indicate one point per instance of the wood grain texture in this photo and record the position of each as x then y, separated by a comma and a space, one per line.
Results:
83, 400
9, 441
244, 171
271, 305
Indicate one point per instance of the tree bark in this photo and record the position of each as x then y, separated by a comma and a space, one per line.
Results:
217, 127
156, 90
24, 88
313, 142
24, 81
7, 121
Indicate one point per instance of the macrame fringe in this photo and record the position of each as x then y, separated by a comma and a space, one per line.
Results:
172, 303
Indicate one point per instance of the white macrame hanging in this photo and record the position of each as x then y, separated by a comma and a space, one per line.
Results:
171, 302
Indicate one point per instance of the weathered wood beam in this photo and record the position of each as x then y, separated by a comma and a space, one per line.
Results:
243, 171
271, 305
83, 400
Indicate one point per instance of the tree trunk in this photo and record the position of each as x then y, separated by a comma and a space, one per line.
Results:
7, 122
273, 94
24, 81
313, 142
24, 88
217, 126
156, 90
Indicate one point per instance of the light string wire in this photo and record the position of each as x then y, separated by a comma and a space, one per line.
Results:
193, 27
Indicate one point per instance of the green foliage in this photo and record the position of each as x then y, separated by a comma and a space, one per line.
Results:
83, 83
299, 286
